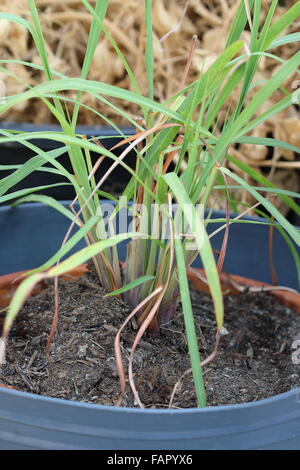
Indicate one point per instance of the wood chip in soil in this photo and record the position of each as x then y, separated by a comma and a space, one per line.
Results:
254, 361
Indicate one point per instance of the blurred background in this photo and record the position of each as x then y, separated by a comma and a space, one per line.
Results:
66, 25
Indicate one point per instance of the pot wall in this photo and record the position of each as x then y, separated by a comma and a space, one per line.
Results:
29, 235
31, 422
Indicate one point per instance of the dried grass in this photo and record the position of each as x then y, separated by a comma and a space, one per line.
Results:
66, 25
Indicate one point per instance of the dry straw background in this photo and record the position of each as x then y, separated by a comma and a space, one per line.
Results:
66, 25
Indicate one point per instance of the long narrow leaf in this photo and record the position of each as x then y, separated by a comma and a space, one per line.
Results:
131, 285
95, 31
291, 230
26, 169
202, 241
49, 201
25, 192
26, 287
261, 96
149, 48
282, 23
66, 248
190, 325
265, 182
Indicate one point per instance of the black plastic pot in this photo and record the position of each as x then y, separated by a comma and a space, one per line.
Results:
29, 235
15, 153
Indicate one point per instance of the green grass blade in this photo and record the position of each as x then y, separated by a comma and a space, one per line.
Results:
48, 201
262, 117
96, 89
25, 192
233, 81
268, 142
252, 62
212, 80
290, 229
267, 24
94, 34
131, 285
18, 300
239, 23
85, 254
18, 20
262, 188
64, 250
149, 48
27, 168
82, 256
261, 97
202, 242
190, 325
264, 181
282, 23
47, 157
287, 39
132, 78
38, 37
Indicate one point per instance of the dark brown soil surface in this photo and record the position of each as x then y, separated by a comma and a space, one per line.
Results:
254, 362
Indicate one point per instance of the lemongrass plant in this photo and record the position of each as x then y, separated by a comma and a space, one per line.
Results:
181, 157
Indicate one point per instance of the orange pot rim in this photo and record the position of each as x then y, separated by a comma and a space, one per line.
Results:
10, 282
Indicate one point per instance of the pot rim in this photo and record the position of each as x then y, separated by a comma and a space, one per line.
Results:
89, 130
220, 213
291, 394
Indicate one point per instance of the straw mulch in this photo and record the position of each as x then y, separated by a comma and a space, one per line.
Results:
66, 25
